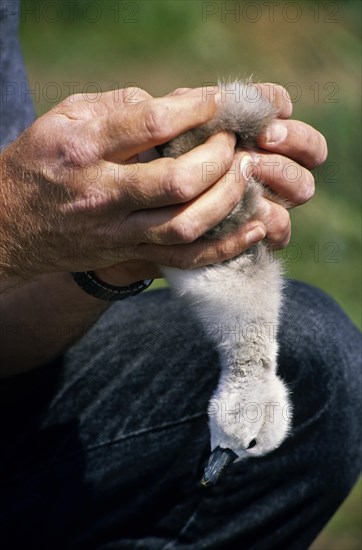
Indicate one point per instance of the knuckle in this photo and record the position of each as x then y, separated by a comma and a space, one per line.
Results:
286, 239
176, 182
172, 259
185, 262
225, 141
71, 99
156, 121
323, 148
180, 260
219, 252
233, 197
227, 151
285, 223
182, 230
312, 145
282, 225
74, 155
282, 243
307, 188
143, 94
180, 91
304, 141
283, 91
285, 97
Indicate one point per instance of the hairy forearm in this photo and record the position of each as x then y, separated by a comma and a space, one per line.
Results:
31, 241
22, 221
40, 314
9, 278
41, 319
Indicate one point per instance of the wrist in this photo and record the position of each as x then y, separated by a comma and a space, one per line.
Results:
91, 284
127, 273
116, 277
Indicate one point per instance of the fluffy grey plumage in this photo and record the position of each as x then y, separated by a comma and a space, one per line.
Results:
238, 302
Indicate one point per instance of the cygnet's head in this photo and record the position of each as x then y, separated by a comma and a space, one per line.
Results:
248, 417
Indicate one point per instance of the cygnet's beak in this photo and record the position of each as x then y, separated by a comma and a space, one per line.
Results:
218, 461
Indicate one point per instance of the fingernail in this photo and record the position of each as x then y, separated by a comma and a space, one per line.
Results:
276, 131
264, 207
245, 166
255, 235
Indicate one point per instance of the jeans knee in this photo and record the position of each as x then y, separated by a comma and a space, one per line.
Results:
320, 360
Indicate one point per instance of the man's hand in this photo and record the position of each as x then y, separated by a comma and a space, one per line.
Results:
77, 193
282, 162
78, 196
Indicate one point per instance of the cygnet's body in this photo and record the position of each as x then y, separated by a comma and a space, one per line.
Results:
238, 303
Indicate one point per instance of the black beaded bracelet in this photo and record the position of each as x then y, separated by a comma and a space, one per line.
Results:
90, 283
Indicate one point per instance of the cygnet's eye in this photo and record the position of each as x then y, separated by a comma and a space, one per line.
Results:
252, 444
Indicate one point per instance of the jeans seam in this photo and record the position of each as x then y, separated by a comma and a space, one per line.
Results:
109, 442
143, 431
170, 545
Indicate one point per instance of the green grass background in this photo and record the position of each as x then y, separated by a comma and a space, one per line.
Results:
311, 47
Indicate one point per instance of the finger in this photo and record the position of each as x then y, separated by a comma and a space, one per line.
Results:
296, 140
141, 126
202, 252
285, 177
104, 103
185, 223
168, 181
179, 91
274, 93
278, 97
277, 222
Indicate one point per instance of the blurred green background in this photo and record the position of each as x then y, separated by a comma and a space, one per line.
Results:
313, 48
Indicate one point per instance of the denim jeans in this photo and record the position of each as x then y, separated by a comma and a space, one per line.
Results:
104, 448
